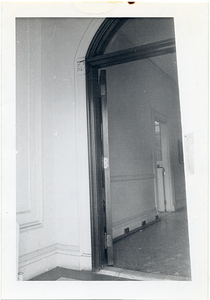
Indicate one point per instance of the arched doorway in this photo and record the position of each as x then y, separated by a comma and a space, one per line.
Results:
126, 66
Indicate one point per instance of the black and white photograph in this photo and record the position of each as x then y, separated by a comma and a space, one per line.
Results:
104, 150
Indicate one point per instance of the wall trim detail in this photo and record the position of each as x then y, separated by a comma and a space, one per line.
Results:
31, 225
32, 216
34, 256
119, 178
67, 249
81, 66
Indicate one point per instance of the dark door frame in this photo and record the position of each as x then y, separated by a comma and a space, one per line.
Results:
96, 59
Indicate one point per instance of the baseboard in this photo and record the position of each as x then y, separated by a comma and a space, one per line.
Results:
37, 262
34, 256
38, 266
86, 262
157, 219
133, 222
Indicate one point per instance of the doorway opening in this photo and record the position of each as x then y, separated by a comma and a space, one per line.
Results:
161, 203
164, 180
132, 160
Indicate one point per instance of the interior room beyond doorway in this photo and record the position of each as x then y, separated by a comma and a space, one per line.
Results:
161, 248
138, 85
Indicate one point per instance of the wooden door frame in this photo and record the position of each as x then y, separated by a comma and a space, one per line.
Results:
95, 59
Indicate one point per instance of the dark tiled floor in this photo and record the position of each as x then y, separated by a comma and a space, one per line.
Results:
58, 272
162, 248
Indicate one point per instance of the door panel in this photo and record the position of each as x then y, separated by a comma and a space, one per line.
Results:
160, 164
131, 160
164, 177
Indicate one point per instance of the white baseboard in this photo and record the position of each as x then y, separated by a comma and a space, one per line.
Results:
34, 256
68, 261
38, 266
67, 256
86, 262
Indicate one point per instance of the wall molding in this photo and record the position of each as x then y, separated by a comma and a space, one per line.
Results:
30, 195
81, 66
34, 256
31, 225
119, 178
67, 249
37, 255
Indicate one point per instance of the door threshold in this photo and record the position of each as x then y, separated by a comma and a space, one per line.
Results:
139, 276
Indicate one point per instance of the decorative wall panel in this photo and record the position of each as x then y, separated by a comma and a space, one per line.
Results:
29, 123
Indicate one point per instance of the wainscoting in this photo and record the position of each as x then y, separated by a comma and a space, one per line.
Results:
40, 261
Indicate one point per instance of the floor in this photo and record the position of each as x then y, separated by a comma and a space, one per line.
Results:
162, 248
157, 252
63, 274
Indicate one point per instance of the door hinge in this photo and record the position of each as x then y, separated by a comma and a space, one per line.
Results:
108, 241
105, 162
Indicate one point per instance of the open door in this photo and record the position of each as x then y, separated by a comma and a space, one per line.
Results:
164, 177
161, 203
106, 170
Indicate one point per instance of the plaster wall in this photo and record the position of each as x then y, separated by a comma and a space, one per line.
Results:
46, 117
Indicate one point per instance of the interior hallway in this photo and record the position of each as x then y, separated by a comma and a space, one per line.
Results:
162, 248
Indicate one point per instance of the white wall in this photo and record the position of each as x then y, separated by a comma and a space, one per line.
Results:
66, 39
46, 52
35, 152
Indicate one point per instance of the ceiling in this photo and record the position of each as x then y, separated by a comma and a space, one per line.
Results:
141, 31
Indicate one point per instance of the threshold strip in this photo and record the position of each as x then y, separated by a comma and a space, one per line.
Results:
139, 276
66, 279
